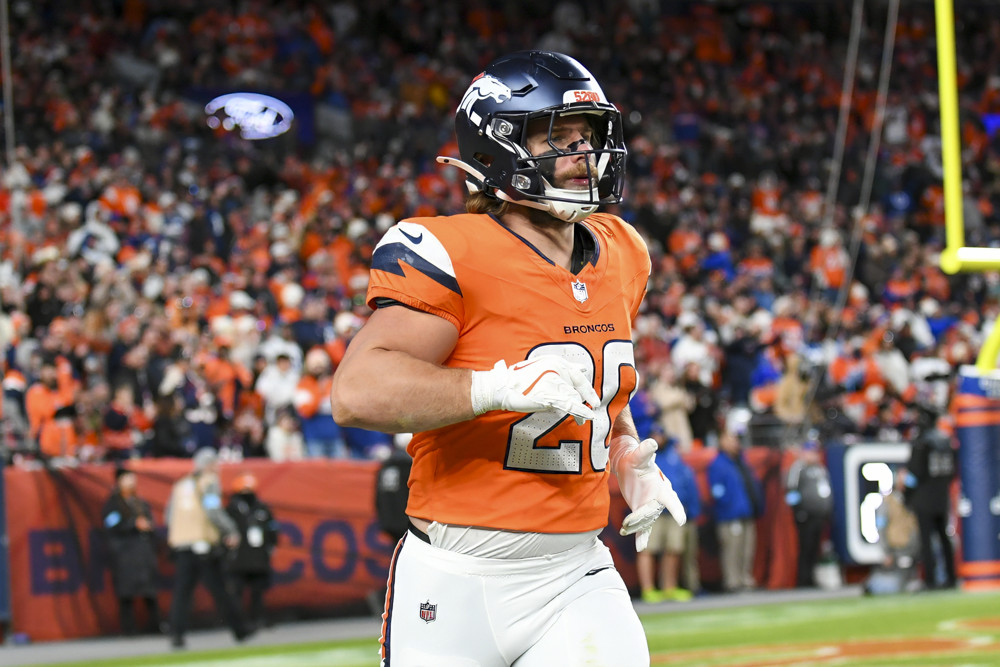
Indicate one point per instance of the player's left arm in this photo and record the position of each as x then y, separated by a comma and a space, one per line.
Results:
645, 488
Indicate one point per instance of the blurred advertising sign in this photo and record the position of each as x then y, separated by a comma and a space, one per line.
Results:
862, 476
255, 115
277, 116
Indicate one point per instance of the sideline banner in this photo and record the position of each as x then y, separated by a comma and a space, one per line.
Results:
330, 553
977, 408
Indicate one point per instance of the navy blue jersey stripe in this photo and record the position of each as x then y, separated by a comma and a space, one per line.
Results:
391, 594
578, 229
595, 255
387, 258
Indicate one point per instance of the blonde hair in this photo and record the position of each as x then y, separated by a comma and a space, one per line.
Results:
480, 202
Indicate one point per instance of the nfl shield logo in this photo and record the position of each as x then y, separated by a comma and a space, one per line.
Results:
580, 291
428, 611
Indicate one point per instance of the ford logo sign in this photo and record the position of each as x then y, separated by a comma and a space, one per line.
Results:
258, 116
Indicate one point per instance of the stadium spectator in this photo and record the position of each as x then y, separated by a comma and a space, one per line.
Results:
128, 524
171, 436
284, 441
703, 413
249, 435
737, 501
792, 393
123, 426
645, 411
281, 343
91, 406
277, 385
50, 403
740, 358
322, 435
674, 403
674, 545
249, 564
694, 349
227, 378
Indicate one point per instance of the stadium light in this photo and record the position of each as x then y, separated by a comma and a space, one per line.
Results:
257, 116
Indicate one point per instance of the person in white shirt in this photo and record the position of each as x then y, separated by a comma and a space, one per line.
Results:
276, 385
284, 441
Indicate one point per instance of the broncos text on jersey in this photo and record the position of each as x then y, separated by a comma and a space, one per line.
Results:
537, 472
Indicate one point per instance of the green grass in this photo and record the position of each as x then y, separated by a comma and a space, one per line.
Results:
799, 633
808, 624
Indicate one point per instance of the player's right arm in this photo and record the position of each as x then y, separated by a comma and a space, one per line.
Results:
392, 379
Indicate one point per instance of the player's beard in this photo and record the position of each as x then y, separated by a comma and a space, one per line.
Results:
581, 171
544, 219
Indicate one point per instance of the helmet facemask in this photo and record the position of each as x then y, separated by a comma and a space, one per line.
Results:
534, 182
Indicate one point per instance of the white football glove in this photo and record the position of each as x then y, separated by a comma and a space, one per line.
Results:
644, 486
542, 384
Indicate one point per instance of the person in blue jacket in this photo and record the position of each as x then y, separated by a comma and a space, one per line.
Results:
737, 501
676, 545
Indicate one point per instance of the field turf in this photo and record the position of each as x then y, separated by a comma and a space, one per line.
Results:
940, 628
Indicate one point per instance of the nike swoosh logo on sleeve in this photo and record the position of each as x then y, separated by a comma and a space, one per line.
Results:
414, 239
411, 244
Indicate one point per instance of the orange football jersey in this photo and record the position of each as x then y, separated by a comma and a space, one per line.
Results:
536, 472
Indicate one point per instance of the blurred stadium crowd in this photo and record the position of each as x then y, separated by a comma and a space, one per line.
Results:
165, 285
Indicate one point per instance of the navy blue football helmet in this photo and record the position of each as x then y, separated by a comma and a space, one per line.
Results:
492, 127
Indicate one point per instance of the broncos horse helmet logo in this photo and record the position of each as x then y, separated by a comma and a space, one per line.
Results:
483, 87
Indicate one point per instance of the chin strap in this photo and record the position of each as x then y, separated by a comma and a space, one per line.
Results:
571, 211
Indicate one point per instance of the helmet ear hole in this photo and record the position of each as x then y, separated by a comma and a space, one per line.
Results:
483, 159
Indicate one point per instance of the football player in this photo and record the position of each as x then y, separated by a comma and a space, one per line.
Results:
502, 338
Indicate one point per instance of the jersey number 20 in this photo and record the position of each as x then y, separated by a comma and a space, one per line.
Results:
524, 451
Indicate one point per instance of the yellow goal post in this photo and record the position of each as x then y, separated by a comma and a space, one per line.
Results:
957, 256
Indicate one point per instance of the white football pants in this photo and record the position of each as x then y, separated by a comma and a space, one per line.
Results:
445, 609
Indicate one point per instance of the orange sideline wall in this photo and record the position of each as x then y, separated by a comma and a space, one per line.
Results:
330, 554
